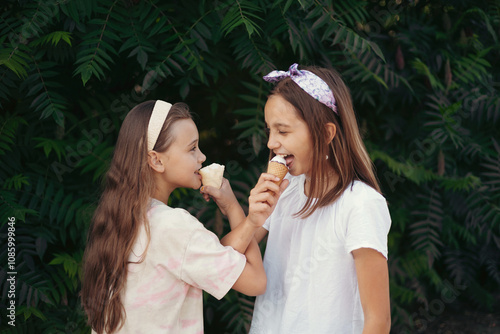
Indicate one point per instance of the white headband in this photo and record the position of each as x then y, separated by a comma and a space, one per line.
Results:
158, 117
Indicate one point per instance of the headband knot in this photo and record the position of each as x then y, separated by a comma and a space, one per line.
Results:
158, 117
309, 82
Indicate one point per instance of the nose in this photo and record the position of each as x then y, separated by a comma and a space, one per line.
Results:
272, 143
202, 157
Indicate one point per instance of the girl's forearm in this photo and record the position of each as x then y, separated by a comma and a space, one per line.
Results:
252, 280
240, 236
254, 258
235, 215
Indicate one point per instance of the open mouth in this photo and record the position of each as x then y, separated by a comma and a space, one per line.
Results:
288, 159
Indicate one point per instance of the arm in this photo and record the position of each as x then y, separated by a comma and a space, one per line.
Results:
260, 234
253, 280
226, 201
373, 282
262, 201
229, 206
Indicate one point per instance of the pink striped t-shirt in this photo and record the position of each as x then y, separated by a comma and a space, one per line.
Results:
163, 293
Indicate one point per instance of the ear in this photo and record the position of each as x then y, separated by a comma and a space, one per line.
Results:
154, 161
331, 131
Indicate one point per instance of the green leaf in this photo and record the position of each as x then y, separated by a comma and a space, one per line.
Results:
53, 38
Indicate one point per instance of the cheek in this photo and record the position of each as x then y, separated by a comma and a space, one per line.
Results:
306, 147
306, 155
308, 160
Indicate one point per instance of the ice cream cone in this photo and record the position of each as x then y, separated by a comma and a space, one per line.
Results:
212, 175
278, 169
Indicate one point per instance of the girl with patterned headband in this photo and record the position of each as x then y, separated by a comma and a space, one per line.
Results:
326, 253
146, 263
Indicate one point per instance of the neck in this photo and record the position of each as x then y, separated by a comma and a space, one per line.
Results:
162, 190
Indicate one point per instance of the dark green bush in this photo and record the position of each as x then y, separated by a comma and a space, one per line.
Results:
424, 76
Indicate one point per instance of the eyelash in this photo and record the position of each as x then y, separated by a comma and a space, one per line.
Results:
268, 131
194, 148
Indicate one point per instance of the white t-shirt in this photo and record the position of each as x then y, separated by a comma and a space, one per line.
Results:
312, 285
163, 293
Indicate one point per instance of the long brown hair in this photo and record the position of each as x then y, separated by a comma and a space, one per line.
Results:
346, 153
120, 214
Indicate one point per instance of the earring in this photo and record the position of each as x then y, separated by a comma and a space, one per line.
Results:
327, 157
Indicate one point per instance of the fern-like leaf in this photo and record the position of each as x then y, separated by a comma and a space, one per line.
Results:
40, 85
93, 58
242, 13
16, 59
426, 232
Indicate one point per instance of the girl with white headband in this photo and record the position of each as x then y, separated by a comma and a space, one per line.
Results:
146, 263
326, 253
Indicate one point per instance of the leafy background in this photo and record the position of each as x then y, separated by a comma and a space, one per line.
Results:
424, 76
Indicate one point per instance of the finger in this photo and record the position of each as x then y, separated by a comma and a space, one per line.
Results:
265, 197
206, 192
268, 177
284, 185
264, 186
225, 184
260, 208
209, 190
263, 183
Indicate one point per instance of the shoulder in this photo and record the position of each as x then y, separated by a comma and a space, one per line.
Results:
362, 202
172, 230
359, 193
166, 216
359, 197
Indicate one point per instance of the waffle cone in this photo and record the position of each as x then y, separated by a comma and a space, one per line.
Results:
277, 169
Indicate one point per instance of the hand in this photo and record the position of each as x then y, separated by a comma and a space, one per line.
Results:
223, 197
263, 198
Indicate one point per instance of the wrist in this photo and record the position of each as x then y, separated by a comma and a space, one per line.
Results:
255, 221
240, 236
249, 225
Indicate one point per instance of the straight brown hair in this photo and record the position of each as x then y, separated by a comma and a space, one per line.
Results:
120, 214
346, 153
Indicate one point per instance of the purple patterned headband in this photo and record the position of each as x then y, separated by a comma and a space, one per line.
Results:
309, 82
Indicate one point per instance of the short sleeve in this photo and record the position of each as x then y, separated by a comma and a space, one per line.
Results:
368, 224
210, 266
267, 223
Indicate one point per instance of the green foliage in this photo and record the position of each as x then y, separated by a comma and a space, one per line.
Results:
424, 76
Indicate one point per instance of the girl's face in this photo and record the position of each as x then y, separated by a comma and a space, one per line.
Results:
183, 158
288, 135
